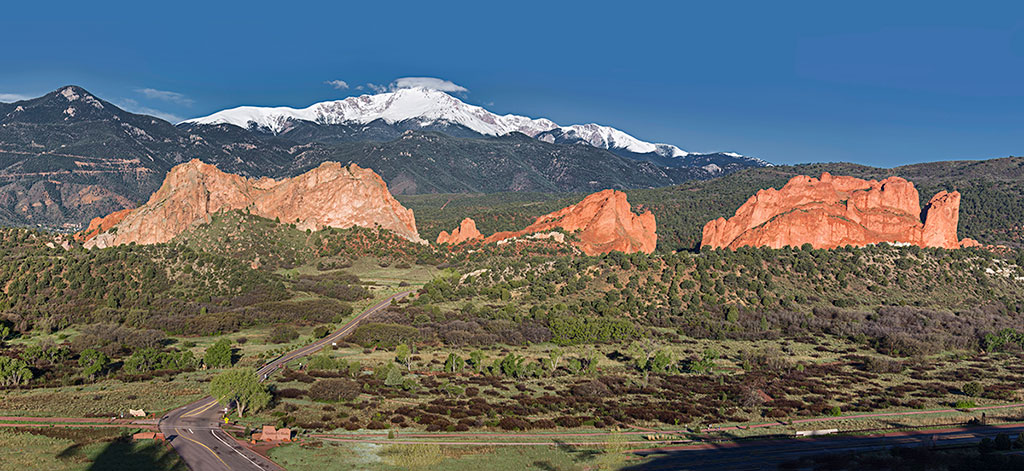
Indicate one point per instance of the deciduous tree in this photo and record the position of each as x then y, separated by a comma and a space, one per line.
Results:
239, 386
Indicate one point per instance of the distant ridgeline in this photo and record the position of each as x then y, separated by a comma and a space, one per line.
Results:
69, 156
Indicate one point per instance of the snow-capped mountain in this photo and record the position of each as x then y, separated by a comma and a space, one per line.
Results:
428, 107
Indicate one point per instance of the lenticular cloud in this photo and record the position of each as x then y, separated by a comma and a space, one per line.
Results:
428, 82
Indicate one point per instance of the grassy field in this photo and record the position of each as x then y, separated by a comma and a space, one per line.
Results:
319, 455
83, 449
105, 398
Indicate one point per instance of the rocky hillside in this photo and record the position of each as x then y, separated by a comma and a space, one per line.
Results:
328, 196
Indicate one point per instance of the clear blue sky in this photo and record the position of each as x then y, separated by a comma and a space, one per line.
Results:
882, 83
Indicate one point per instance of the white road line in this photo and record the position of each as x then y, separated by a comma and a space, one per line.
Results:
214, 433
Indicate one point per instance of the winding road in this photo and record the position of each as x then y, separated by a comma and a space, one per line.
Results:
194, 430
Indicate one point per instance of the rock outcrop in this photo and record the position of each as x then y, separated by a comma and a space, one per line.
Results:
464, 233
103, 224
834, 211
329, 195
603, 221
941, 217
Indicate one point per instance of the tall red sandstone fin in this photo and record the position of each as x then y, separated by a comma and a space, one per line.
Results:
604, 222
464, 233
329, 195
941, 219
834, 211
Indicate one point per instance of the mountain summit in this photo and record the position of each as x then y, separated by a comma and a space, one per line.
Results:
69, 156
426, 108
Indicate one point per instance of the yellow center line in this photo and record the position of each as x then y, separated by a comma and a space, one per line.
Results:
215, 455
200, 409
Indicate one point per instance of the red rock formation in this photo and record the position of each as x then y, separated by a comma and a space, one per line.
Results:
464, 233
329, 195
941, 218
969, 242
835, 211
605, 222
102, 224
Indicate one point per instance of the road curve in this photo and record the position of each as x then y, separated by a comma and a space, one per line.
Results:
194, 430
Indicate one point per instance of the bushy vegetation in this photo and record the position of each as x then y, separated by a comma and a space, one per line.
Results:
899, 300
529, 336
49, 289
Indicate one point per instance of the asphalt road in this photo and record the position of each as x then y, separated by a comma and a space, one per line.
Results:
769, 454
194, 430
314, 347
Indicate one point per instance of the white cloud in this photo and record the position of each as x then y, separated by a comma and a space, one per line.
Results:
173, 97
428, 82
377, 88
337, 84
133, 106
12, 97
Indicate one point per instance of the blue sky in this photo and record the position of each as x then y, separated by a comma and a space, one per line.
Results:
879, 83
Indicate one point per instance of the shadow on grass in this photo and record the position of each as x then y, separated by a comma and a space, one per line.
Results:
123, 454
578, 454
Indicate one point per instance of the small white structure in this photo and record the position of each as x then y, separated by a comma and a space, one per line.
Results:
137, 412
813, 433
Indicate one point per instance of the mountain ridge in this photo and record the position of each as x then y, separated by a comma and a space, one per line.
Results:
69, 156
427, 108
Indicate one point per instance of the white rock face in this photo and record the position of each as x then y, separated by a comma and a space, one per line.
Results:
428, 106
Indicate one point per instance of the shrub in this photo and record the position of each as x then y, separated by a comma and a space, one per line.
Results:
1002, 442
219, 354
569, 421
335, 389
973, 389
322, 361
290, 393
512, 423
593, 388
544, 423
383, 335
321, 331
283, 334
578, 330
875, 364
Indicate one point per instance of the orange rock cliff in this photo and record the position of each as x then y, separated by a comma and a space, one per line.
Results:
834, 211
604, 220
329, 195
464, 233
